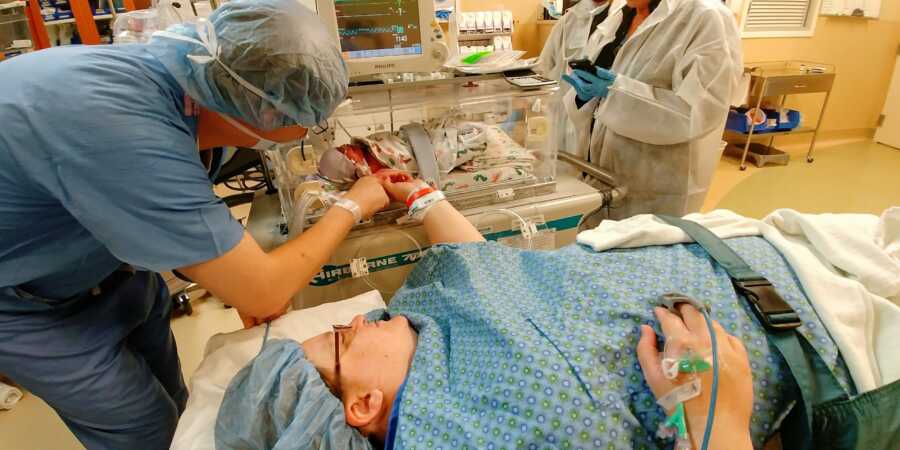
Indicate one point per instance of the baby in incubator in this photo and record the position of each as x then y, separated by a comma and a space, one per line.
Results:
466, 154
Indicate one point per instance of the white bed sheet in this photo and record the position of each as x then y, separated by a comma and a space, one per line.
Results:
228, 353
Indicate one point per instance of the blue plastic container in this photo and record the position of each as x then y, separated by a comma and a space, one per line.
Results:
737, 121
793, 121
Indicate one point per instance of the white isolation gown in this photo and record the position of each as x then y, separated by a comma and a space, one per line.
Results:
659, 129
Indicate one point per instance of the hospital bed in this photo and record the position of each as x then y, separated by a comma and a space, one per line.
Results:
849, 266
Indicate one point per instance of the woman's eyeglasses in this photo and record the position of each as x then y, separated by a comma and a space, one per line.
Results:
337, 330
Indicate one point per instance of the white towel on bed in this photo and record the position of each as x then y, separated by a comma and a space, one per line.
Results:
848, 264
853, 282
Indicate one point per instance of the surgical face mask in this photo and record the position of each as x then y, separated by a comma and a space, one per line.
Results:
261, 142
268, 116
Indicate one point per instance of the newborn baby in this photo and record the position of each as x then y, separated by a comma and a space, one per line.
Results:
453, 143
467, 154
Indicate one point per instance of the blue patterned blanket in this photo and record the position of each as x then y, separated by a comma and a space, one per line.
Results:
532, 349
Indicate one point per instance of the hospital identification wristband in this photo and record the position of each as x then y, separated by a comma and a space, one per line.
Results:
421, 205
351, 207
417, 195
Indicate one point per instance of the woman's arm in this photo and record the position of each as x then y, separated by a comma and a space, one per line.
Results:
443, 223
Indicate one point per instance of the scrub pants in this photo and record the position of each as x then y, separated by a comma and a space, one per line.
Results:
107, 362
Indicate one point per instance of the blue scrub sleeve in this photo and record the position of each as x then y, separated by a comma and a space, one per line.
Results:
151, 204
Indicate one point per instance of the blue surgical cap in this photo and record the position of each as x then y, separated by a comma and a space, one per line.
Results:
279, 47
280, 402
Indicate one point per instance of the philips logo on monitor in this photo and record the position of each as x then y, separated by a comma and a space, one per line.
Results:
385, 66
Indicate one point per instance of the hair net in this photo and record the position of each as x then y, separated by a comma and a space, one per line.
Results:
270, 63
280, 402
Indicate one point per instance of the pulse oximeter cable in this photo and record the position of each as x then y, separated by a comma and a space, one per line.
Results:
715, 382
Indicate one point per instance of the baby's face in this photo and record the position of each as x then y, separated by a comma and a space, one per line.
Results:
372, 354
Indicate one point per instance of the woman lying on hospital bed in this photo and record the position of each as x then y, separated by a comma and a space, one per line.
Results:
488, 346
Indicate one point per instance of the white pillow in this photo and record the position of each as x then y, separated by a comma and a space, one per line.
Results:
228, 353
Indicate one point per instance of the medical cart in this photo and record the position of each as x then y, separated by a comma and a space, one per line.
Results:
780, 79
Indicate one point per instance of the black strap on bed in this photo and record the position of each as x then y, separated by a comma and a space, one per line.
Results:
816, 382
771, 310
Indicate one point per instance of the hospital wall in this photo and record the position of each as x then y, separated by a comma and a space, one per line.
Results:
863, 51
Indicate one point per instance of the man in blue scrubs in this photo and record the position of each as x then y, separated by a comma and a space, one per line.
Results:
101, 186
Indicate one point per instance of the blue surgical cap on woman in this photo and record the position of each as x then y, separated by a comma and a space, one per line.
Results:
280, 402
275, 65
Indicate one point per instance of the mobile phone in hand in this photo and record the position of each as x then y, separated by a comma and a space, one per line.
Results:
583, 64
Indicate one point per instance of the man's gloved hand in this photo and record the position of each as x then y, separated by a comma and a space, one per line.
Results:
589, 86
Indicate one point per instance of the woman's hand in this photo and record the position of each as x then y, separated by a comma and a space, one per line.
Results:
443, 223
734, 404
369, 194
399, 185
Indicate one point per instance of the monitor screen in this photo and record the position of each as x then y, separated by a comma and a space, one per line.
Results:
378, 28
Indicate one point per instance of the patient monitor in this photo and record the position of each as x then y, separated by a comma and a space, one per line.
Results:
386, 36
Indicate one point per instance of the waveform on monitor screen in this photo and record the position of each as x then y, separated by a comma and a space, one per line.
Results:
356, 31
